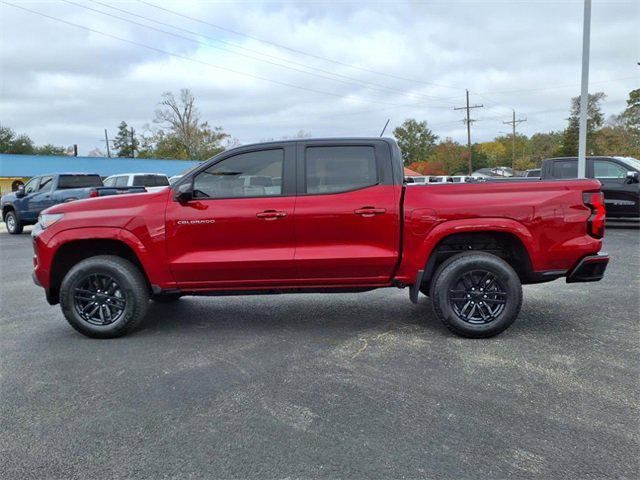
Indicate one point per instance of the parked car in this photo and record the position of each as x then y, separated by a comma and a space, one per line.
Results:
152, 181
532, 173
174, 179
618, 176
339, 219
23, 206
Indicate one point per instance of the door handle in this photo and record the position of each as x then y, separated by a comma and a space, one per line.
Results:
271, 214
370, 211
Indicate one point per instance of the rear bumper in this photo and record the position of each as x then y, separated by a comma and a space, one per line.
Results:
590, 269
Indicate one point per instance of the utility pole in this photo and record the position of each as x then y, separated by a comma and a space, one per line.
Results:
133, 145
584, 92
468, 122
106, 142
513, 124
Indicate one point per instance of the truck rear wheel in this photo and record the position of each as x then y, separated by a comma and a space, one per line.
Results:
104, 296
14, 227
476, 294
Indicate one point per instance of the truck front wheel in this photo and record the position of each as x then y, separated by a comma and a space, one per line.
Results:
14, 227
476, 294
104, 296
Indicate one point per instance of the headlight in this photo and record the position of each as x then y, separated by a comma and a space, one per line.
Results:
47, 219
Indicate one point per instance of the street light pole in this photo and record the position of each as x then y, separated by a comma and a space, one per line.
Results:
584, 92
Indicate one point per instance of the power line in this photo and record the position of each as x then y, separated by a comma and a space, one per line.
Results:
468, 122
201, 62
513, 124
558, 86
301, 52
357, 81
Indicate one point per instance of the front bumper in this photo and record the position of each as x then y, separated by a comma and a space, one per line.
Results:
590, 269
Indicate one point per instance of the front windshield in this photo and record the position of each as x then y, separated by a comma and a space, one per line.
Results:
632, 162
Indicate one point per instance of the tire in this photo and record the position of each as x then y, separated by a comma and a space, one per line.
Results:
14, 226
166, 297
476, 294
93, 282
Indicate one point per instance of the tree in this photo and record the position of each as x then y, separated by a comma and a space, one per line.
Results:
450, 156
543, 145
494, 152
50, 149
595, 119
125, 143
631, 116
182, 134
427, 168
415, 140
10, 142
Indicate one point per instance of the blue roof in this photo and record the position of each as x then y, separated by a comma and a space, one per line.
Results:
33, 165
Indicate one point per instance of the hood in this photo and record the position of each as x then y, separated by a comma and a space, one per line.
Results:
8, 197
109, 203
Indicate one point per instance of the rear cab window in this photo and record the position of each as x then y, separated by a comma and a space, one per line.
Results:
334, 169
563, 169
78, 181
150, 181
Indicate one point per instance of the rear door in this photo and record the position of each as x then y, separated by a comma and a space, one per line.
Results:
347, 220
234, 234
620, 197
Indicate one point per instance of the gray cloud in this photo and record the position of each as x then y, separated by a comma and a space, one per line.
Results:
63, 85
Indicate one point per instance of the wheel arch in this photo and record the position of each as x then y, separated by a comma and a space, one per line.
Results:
70, 253
504, 238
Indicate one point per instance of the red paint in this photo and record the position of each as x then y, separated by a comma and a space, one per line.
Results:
367, 237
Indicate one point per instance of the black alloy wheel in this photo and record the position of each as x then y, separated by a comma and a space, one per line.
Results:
477, 297
99, 300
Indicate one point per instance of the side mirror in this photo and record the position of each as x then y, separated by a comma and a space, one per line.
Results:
184, 192
632, 177
20, 192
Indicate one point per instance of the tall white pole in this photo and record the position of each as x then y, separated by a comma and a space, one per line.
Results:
584, 92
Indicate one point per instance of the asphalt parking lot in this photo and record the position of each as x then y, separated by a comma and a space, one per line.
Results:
325, 386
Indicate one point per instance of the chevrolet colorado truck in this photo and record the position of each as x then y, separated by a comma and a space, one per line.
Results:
325, 215
23, 206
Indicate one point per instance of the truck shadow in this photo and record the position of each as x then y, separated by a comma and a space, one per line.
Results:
325, 315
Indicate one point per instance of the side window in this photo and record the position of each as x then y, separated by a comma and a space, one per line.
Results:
252, 174
340, 169
161, 181
31, 185
110, 182
45, 184
565, 169
605, 169
121, 181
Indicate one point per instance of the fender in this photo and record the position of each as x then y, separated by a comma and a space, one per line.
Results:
154, 267
419, 247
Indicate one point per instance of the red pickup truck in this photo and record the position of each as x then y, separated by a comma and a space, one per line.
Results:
327, 215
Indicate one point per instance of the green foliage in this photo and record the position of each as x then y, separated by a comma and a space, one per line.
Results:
450, 157
49, 149
595, 119
415, 140
126, 143
180, 133
10, 142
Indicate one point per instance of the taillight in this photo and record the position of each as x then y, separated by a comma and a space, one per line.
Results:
595, 224
93, 193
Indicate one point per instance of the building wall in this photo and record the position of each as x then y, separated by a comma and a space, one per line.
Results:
9, 184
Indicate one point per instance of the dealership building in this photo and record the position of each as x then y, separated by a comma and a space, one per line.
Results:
15, 170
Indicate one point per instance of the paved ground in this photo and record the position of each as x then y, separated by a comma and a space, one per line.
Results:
350, 386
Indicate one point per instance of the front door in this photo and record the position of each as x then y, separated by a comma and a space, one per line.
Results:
620, 197
238, 229
42, 199
347, 214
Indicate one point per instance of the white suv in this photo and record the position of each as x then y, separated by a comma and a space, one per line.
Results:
152, 181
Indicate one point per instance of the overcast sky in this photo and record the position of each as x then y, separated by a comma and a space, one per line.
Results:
268, 69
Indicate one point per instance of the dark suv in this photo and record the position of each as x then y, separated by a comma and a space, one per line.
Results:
618, 175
